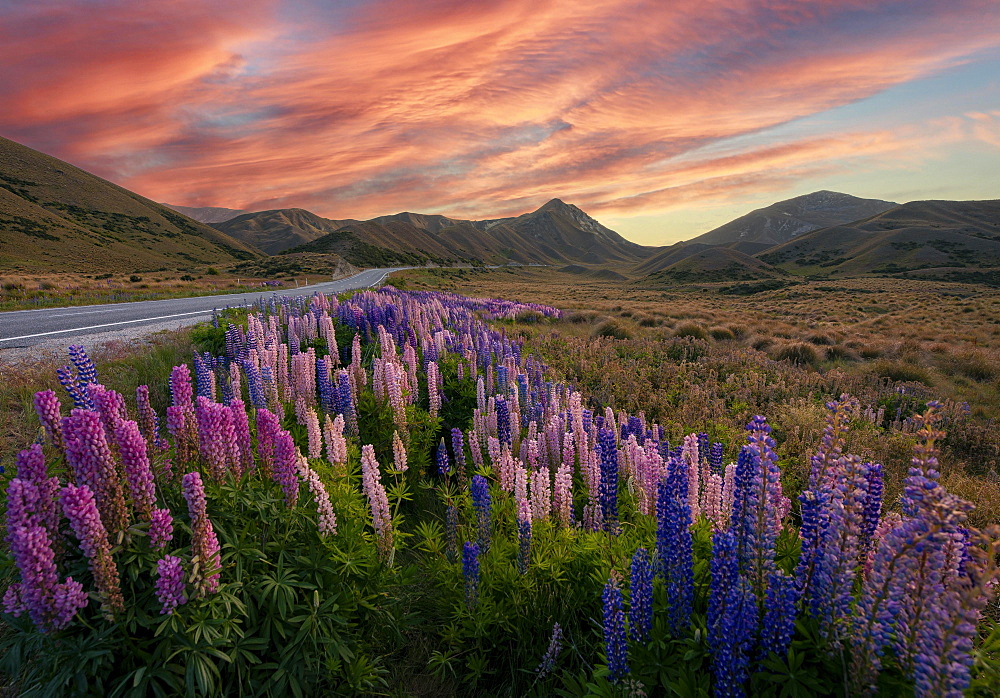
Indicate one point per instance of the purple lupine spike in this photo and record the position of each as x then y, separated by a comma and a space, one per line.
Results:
548, 663
49, 413
523, 536
286, 466
451, 532
31, 469
76, 391
615, 644
609, 480
170, 584
149, 422
51, 605
443, 464
470, 571
482, 503
675, 556
80, 507
93, 466
778, 624
458, 449
715, 458
161, 528
85, 367
138, 472
640, 618
371, 479
241, 432
732, 618
503, 422
204, 544
180, 385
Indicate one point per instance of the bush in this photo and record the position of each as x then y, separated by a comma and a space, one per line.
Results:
612, 328
690, 329
901, 372
187, 277
212, 271
721, 333
797, 353
135, 278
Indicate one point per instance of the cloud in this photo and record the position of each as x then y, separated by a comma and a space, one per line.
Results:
358, 109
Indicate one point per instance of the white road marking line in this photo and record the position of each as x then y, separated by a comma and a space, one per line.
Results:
107, 324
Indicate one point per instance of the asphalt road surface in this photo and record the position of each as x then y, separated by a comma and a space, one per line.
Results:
27, 328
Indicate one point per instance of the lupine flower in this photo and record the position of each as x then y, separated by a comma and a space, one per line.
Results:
268, 428
180, 385
451, 532
204, 544
503, 422
433, 394
336, 445
80, 508
48, 409
470, 571
161, 529
482, 503
31, 469
149, 422
732, 618
563, 495
398, 453
377, 500
615, 644
640, 618
541, 495
170, 584
548, 662
674, 551
443, 465
345, 400
327, 524
90, 458
458, 449
51, 605
314, 434
778, 624
138, 472
523, 536
285, 466
609, 480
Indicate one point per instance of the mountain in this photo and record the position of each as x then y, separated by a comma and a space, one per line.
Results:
280, 229
556, 233
207, 214
786, 220
948, 236
56, 217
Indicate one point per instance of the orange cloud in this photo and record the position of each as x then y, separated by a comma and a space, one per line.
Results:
470, 108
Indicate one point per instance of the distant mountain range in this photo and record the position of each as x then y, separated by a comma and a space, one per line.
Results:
56, 217
556, 233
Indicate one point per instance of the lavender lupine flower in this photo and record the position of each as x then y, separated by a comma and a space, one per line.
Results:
609, 480
180, 385
470, 571
268, 428
458, 449
138, 472
161, 529
482, 504
433, 394
48, 409
640, 617
503, 422
51, 605
80, 508
345, 401
675, 552
170, 584
327, 524
615, 644
548, 662
443, 465
378, 501
31, 469
204, 544
715, 458
286, 458
315, 436
149, 422
93, 466
732, 618
778, 624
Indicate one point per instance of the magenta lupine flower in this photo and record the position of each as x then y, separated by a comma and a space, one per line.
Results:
433, 395
111, 406
170, 584
378, 501
327, 524
149, 423
204, 544
689, 452
31, 468
93, 466
241, 430
138, 472
268, 427
180, 385
50, 604
49, 413
213, 436
398, 453
563, 495
161, 528
394, 379
80, 507
180, 419
286, 466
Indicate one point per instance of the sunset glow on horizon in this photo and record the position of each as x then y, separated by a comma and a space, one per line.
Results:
661, 119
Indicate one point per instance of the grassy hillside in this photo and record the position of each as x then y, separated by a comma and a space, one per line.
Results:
56, 217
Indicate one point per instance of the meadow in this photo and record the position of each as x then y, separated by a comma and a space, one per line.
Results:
708, 491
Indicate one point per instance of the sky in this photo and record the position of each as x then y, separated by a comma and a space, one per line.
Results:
660, 119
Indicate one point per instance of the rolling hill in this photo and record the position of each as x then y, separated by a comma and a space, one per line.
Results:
713, 264
57, 217
279, 229
947, 236
207, 214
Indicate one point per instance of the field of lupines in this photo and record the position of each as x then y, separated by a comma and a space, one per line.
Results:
383, 495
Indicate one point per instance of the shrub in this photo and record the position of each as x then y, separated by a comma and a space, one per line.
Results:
901, 372
613, 329
135, 278
187, 277
797, 353
212, 271
721, 333
690, 329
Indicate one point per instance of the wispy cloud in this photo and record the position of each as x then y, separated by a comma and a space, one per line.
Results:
357, 109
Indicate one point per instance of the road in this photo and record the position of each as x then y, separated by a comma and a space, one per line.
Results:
26, 328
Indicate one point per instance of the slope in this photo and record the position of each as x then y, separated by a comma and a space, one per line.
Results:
57, 217
207, 214
279, 229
